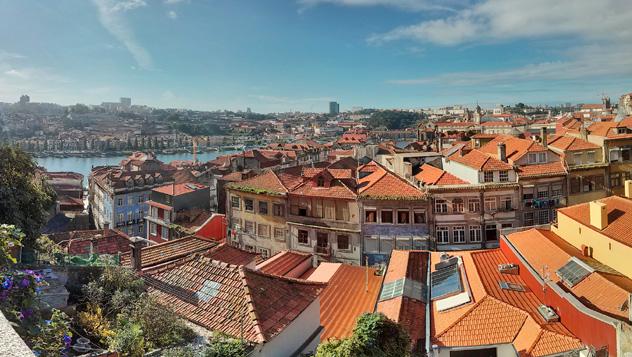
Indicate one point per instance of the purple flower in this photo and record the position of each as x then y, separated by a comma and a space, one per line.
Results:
7, 283
29, 272
25, 283
27, 313
21, 316
47, 322
67, 341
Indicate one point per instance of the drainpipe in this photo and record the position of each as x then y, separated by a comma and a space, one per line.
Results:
428, 307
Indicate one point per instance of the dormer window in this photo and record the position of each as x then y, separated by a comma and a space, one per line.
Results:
320, 181
622, 130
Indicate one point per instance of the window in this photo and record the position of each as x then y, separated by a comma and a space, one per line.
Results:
488, 176
542, 157
343, 241
575, 184
475, 234
458, 205
419, 217
615, 179
121, 218
577, 158
625, 154
119, 202
474, 205
458, 234
490, 204
249, 205
278, 210
154, 212
556, 190
529, 219
443, 235
130, 200
590, 157
505, 203
387, 216
403, 217
166, 216
234, 202
322, 239
543, 192
152, 228
503, 176
263, 207
130, 216
249, 227
614, 155
279, 234
265, 253
441, 206
263, 230
533, 158
370, 216
491, 233
303, 237
140, 229
543, 217
141, 198
320, 182
165, 233
588, 184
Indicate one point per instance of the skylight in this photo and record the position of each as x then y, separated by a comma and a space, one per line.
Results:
511, 286
573, 272
446, 281
404, 287
209, 290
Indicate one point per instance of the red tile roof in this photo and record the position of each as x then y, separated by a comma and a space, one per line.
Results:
604, 290
100, 241
619, 212
515, 147
498, 316
180, 188
480, 161
267, 182
548, 169
407, 311
430, 175
346, 298
231, 255
284, 262
231, 299
381, 184
570, 143
169, 251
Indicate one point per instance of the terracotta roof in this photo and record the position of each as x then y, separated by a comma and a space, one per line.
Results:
180, 188
267, 182
605, 289
570, 143
515, 147
496, 123
495, 315
101, 241
430, 175
380, 183
231, 255
619, 212
169, 251
483, 136
284, 262
407, 311
345, 298
548, 169
231, 299
337, 189
480, 161
159, 205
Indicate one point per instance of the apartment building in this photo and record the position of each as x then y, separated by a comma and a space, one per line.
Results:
393, 213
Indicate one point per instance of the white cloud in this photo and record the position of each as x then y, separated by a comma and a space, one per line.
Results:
5, 56
17, 73
412, 5
168, 95
110, 16
497, 20
173, 2
172, 15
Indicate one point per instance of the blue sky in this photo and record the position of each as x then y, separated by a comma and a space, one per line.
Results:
280, 55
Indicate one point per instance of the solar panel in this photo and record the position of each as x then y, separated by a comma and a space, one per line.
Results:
446, 281
511, 286
392, 289
573, 272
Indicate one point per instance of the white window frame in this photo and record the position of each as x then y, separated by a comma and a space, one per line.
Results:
252, 208
443, 235
235, 202
542, 157
474, 202
488, 176
475, 234
488, 204
458, 234
441, 206
503, 176
152, 228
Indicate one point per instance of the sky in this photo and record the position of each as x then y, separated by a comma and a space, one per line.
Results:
284, 55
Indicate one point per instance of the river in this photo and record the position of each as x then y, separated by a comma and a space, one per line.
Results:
83, 165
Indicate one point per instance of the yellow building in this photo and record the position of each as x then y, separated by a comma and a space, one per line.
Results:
601, 229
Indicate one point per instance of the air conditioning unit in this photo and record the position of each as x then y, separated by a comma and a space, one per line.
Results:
548, 313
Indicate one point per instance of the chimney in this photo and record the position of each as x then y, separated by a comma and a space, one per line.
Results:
136, 245
598, 215
543, 137
583, 132
502, 152
628, 188
106, 228
440, 143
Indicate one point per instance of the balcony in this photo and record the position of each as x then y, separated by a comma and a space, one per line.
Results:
326, 251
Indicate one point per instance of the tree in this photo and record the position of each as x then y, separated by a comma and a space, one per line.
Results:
393, 119
24, 196
373, 336
225, 346
116, 290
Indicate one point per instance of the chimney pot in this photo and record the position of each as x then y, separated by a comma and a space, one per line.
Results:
598, 215
543, 137
502, 152
136, 245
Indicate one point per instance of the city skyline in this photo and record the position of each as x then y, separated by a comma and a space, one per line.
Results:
300, 55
